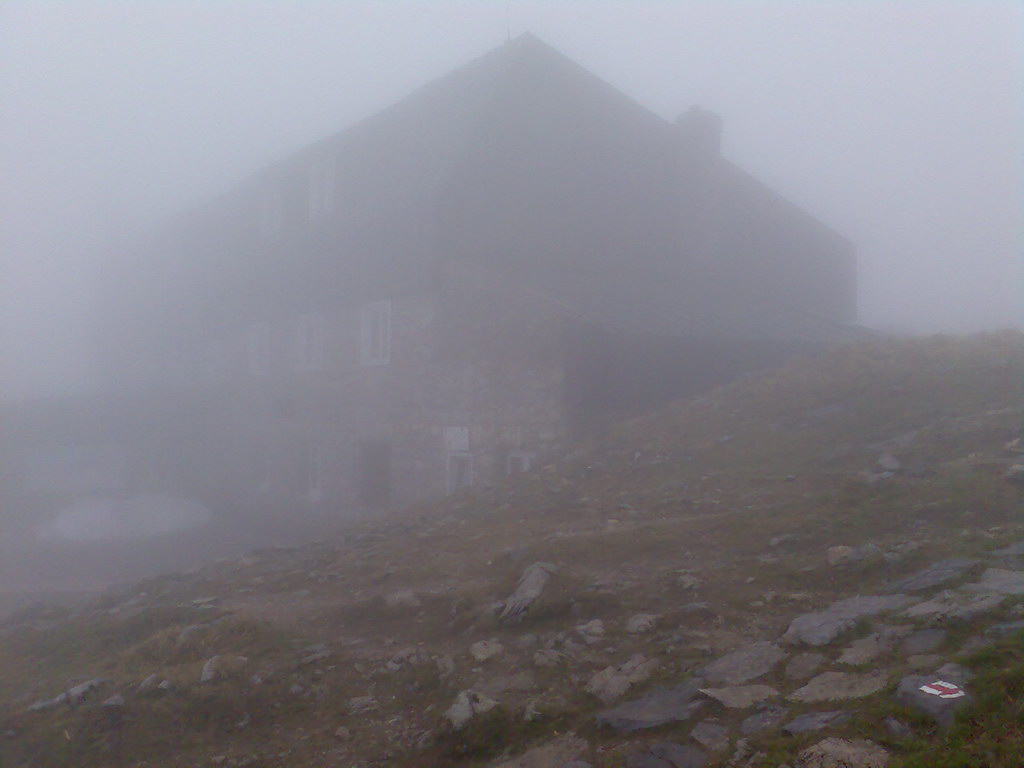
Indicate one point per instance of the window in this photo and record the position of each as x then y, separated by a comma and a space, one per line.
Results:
271, 214
310, 342
460, 471
375, 333
321, 188
518, 461
259, 349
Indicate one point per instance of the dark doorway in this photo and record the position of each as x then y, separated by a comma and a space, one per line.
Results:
374, 473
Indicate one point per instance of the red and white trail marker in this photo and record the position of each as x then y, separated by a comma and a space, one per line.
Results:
944, 690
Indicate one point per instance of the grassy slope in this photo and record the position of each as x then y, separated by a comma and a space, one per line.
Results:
703, 486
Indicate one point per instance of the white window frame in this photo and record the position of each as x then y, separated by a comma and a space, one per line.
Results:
309, 342
375, 333
258, 349
322, 177
271, 214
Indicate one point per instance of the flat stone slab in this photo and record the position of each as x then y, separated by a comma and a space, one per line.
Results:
744, 664
955, 606
1014, 550
938, 697
710, 735
555, 754
804, 665
660, 706
1000, 582
815, 721
666, 754
866, 649
740, 696
833, 686
766, 719
825, 626
935, 575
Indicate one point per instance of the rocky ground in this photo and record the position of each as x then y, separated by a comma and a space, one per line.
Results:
822, 566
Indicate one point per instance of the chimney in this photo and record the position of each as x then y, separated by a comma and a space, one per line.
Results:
700, 133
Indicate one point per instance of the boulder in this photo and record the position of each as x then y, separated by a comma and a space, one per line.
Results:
825, 626
612, 682
740, 696
219, 667
72, 696
925, 641
938, 697
955, 606
592, 632
468, 704
641, 622
486, 649
531, 585
744, 664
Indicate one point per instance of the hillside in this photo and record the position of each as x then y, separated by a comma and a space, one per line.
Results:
671, 557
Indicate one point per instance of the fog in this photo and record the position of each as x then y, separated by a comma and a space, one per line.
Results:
899, 124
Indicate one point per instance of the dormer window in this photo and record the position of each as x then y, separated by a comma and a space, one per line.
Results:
271, 214
321, 188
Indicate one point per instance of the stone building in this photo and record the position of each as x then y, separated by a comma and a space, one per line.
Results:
512, 256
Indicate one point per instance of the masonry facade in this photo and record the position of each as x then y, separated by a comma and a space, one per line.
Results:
457, 288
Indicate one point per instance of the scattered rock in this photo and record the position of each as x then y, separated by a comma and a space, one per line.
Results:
744, 664
740, 696
342, 733
841, 753
999, 581
925, 641
765, 719
662, 705
642, 622
930, 695
612, 682
710, 735
149, 683
815, 721
935, 575
467, 705
531, 585
358, 704
666, 755
445, 665
1014, 550
486, 649
841, 555
803, 665
114, 702
825, 626
831, 686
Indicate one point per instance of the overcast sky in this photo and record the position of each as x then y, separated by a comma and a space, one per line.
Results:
900, 124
